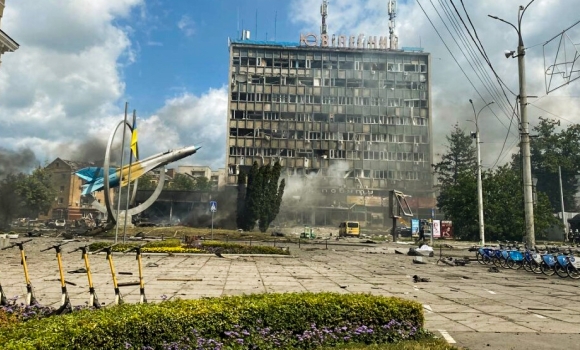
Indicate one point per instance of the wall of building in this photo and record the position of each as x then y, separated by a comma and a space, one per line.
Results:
339, 118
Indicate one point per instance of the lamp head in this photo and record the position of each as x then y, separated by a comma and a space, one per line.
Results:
470, 101
509, 53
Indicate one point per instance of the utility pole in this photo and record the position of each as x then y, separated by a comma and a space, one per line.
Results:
479, 184
524, 128
562, 203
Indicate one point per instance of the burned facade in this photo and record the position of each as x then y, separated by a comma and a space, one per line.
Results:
347, 123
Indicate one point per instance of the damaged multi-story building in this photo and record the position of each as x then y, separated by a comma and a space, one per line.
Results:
348, 118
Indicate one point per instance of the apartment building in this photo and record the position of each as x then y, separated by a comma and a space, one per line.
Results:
69, 204
345, 112
216, 178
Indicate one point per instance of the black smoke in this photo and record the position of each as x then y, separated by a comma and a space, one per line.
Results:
18, 161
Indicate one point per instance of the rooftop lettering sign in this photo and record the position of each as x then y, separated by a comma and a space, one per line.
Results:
344, 42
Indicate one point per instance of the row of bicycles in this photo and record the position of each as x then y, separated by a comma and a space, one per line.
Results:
549, 261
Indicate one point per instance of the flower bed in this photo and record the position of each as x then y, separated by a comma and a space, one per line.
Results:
175, 246
259, 321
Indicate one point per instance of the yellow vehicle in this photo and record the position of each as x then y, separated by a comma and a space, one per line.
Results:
349, 228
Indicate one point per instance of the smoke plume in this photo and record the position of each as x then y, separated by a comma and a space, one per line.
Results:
16, 161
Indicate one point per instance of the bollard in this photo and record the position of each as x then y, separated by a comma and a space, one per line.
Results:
326, 244
299, 242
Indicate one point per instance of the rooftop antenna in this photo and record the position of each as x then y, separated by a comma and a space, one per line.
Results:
324, 13
393, 39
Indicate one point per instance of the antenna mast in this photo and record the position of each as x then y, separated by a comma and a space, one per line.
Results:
393, 39
324, 13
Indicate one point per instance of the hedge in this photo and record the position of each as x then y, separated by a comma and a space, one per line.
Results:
266, 321
174, 246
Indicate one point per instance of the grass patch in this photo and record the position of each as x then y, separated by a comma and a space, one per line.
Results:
175, 246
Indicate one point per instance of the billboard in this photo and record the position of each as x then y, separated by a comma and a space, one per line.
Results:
436, 228
446, 229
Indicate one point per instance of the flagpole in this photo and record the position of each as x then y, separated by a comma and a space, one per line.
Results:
121, 173
129, 177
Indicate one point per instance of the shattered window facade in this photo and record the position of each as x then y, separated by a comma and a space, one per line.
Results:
311, 107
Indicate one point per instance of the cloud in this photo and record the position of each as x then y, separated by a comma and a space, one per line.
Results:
451, 90
192, 120
52, 88
186, 25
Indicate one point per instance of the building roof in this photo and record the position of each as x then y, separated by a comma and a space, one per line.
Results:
7, 44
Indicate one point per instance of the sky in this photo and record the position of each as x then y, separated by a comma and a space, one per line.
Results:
79, 61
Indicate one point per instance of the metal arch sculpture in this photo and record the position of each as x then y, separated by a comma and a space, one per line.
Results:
104, 178
108, 207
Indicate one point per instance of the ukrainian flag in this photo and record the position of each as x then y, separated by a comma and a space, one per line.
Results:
134, 140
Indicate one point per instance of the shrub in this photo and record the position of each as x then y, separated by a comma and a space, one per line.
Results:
14, 312
269, 321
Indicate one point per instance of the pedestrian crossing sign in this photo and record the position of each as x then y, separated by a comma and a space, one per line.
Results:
213, 206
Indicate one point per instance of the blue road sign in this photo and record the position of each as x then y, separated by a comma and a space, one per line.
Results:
213, 206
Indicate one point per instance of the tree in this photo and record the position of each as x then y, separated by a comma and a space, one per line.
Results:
461, 157
10, 200
182, 182
550, 149
273, 193
36, 192
253, 198
502, 196
202, 183
241, 201
147, 182
263, 197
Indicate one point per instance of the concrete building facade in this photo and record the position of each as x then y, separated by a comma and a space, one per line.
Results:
7, 44
353, 118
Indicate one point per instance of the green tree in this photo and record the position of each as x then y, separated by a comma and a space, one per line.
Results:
550, 149
10, 201
182, 182
241, 201
262, 198
202, 183
36, 192
272, 195
253, 197
461, 157
147, 182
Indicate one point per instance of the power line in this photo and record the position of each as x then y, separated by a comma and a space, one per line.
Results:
455, 59
506, 137
482, 49
555, 115
463, 37
451, 53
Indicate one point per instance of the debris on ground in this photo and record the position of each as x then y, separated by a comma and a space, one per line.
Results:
494, 269
81, 270
418, 279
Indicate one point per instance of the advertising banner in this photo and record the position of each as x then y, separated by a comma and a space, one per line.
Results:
446, 229
415, 226
436, 228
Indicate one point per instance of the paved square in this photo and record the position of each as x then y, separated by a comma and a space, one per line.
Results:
460, 301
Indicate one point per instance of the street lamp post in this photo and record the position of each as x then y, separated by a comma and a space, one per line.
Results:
524, 128
479, 184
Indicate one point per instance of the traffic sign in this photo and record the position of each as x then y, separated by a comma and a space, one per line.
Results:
213, 206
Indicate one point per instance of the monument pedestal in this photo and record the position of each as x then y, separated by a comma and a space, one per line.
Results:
121, 220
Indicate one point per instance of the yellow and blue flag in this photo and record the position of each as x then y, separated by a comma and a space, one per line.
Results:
134, 140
